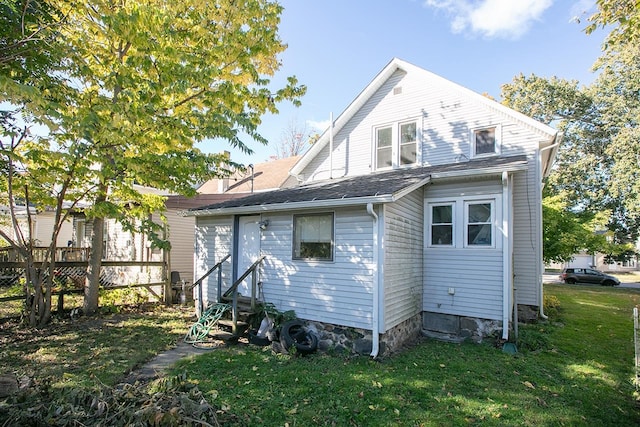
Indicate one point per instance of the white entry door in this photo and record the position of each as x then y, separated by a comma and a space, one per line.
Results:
248, 248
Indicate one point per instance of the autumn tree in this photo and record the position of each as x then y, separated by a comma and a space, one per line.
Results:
622, 16
144, 83
598, 166
295, 139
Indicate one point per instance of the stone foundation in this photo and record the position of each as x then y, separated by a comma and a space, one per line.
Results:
400, 335
528, 313
360, 341
342, 339
451, 327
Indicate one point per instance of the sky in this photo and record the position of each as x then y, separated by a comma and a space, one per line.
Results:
336, 48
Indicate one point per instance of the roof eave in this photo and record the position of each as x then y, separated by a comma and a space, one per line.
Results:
496, 170
353, 201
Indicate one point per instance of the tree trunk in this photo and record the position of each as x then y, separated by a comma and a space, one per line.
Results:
92, 282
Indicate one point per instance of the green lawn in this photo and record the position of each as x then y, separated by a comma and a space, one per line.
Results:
576, 369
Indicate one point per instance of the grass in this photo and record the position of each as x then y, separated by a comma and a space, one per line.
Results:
90, 350
574, 370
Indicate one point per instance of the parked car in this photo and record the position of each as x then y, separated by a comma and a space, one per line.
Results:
587, 275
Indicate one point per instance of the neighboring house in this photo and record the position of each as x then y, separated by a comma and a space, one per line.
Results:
41, 224
598, 260
123, 245
419, 211
180, 230
260, 177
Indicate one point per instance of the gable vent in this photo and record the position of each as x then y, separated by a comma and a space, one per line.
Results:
397, 90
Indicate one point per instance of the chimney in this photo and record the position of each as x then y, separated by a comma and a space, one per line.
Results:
223, 183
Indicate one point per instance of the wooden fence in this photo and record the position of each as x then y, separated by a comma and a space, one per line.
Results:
70, 273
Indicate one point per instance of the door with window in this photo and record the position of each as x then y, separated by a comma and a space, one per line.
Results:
248, 249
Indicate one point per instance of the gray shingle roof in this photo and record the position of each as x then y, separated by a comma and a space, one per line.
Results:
363, 186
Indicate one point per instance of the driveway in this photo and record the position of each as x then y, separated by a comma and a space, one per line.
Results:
555, 279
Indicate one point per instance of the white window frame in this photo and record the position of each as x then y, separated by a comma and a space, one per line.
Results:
401, 144
491, 222
498, 140
431, 224
396, 145
298, 257
460, 226
377, 149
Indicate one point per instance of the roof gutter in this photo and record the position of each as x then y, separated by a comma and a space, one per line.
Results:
353, 201
554, 147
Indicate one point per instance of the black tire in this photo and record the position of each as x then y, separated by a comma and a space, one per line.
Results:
570, 281
294, 336
256, 340
608, 283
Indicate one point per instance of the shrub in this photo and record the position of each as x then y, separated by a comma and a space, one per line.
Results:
551, 306
110, 299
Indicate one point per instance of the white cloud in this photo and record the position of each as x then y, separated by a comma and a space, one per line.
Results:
318, 126
492, 18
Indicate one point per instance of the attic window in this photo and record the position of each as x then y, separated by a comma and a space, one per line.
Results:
485, 141
396, 145
397, 90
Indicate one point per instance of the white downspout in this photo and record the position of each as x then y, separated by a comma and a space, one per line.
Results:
507, 274
539, 254
331, 145
376, 285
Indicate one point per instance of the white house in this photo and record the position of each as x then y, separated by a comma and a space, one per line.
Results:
418, 211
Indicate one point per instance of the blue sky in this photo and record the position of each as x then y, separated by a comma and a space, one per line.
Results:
336, 47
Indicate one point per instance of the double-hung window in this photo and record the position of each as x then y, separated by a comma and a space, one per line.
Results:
442, 224
396, 145
313, 237
408, 143
479, 223
462, 222
384, 147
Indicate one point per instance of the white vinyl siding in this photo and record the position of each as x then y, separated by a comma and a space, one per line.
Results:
403, 253
338, 292
44, 228
180, 231
213, 241
526, 236
445, 118
474, 273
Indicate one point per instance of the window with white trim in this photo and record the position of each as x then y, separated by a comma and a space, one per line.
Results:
313, 236
384, 147
479, 223
396, 145
408, 143
485, 141
442, 224
462, 222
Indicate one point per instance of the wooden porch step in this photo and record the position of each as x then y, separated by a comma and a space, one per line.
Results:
227, 323
241, 300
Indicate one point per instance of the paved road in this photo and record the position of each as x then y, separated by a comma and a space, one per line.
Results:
553, 278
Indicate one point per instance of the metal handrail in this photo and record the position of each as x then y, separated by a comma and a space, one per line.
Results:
198, 282
233, 290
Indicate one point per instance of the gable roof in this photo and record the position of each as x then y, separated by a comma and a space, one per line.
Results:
266, 176
398, 64
381, 187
